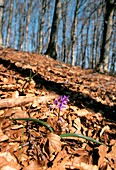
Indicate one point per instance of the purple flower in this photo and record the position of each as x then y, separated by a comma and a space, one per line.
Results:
61, 102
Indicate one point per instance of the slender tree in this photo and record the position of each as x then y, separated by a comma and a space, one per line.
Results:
41, 23
102, 66
1, 15
48, 22
9, 24
28, 18
73, 34
22, 25
52, 46
64, 19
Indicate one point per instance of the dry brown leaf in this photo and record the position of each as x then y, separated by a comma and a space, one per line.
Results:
61, 161
61, 155
54, 143
14, 127
33, 165
84, 166
84, 88
13, 146
2, 136
82, 112
8, 156
8, 162
3, 161
77, 124
111, 156
15, 94
8, 167
102, 153
109, 168
1, 112
105, 128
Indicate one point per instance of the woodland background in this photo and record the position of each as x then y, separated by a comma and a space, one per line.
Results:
34, 132
78, 32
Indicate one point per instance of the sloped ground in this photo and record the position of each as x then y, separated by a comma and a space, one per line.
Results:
91, 112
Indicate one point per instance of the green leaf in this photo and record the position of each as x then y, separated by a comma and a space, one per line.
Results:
80, 136
37, 121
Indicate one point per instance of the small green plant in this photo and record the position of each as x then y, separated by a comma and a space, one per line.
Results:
28, 79
60, 103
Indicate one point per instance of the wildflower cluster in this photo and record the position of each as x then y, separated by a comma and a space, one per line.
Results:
61, 102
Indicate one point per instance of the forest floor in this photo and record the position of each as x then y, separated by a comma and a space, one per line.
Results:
29, 84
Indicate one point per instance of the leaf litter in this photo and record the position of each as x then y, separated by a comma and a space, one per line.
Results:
29, 85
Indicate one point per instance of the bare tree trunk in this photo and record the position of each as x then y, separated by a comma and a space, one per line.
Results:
64, 15
52, 46
9, 24
1, 14
27, 24
22, 25
102, 66
15, 23
113, 64
73, 35
48, 23
93, 45
40, 41
82, 50
85, 56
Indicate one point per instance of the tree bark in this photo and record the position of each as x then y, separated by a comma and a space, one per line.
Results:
102, 65
64, 13
27, 25
9, 24
73, 34
52, 48
1, 13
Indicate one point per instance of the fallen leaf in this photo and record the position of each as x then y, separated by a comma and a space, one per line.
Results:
33, 165
3, 137
102, 153
105, 128
8, 162
54, 143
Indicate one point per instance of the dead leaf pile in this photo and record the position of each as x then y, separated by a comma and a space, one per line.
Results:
29, 83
